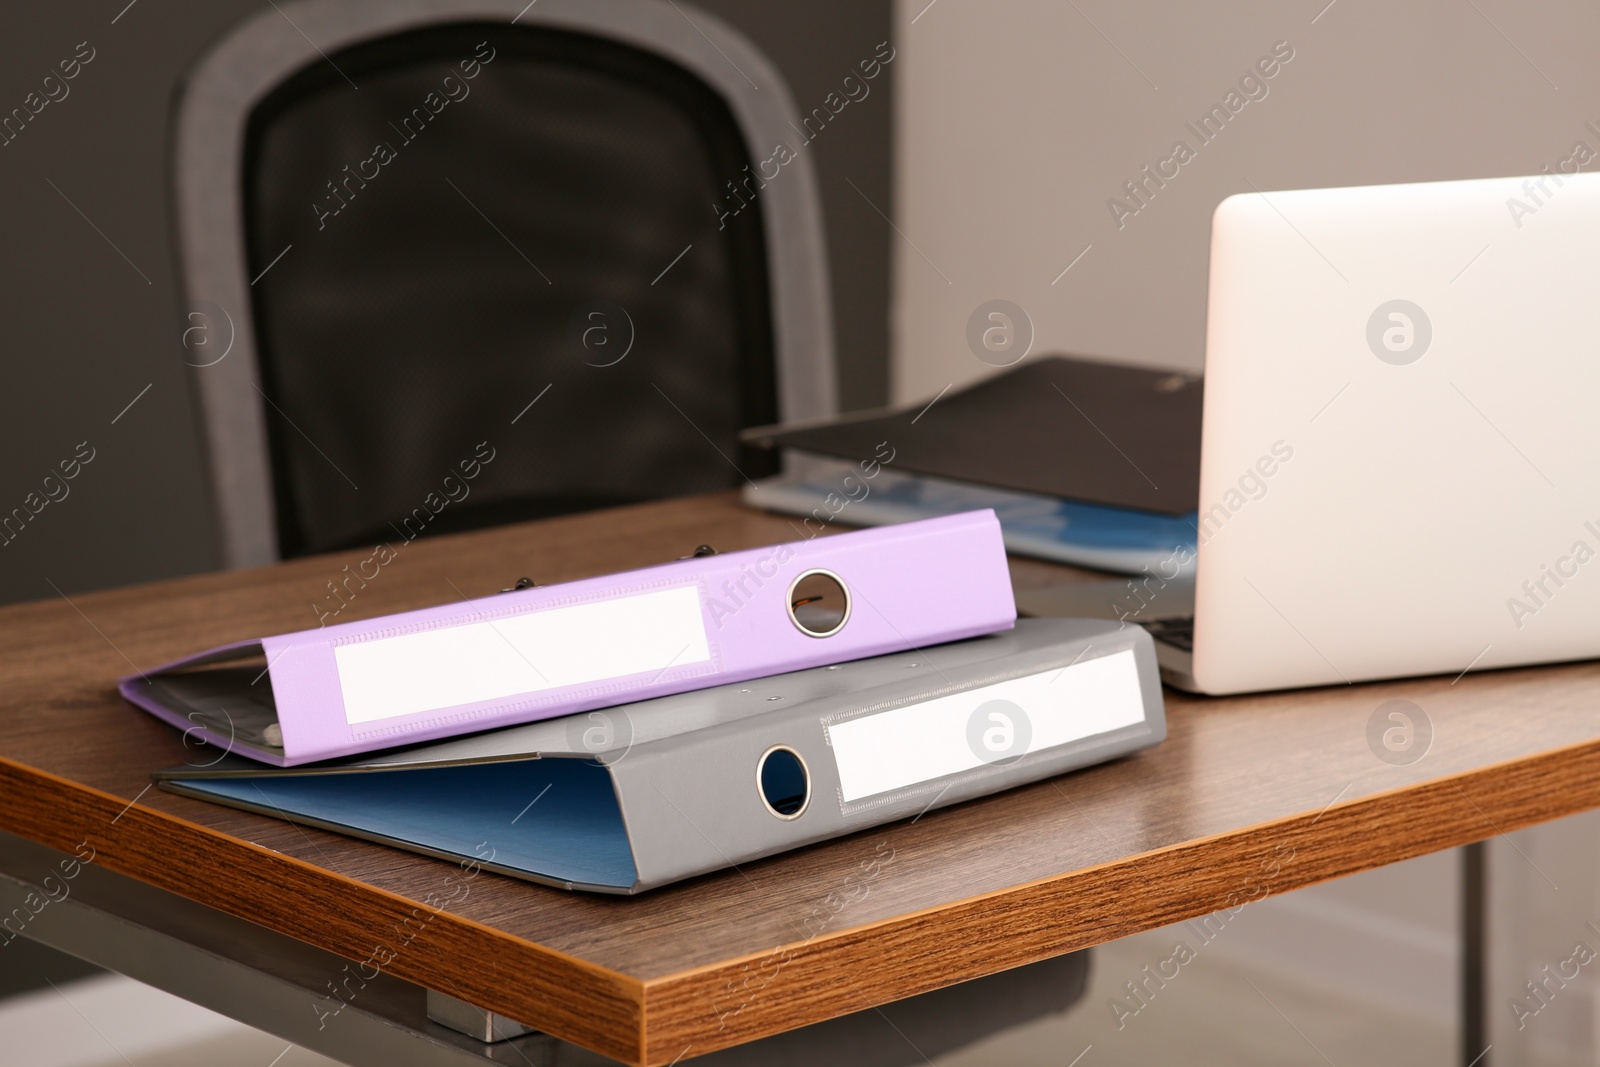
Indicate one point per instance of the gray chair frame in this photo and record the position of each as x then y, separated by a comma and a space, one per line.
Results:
257, 56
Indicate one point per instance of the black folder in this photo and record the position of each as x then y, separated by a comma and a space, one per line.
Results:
1058, 426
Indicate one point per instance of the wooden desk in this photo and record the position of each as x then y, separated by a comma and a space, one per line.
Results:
1248, 797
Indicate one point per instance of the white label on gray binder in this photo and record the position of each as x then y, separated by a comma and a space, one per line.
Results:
995, 725
549, 649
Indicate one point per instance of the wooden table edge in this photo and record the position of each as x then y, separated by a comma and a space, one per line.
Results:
699, 1010
761, 994
607, 1016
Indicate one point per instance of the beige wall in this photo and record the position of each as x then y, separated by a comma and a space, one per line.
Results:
1018, 120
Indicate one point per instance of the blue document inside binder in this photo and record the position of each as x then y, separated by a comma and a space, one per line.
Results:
554, 819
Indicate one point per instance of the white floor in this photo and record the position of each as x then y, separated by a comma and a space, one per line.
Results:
1218, 1010
111, 1021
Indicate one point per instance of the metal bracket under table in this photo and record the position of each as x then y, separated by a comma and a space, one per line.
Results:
249, 973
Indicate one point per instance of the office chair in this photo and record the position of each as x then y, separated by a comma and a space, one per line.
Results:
449, 263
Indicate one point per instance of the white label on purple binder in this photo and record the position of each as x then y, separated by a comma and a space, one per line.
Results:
995, 725
550, 649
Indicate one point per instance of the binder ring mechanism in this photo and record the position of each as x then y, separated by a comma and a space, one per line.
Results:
819, 603
699, 552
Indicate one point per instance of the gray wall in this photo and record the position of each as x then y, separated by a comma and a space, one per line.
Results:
89, 313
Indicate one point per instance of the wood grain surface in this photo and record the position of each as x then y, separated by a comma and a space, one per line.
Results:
1248, 797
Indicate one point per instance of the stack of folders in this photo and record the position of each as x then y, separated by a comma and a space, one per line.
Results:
620, 733
1094, 464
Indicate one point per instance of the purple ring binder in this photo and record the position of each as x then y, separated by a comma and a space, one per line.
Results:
537, 653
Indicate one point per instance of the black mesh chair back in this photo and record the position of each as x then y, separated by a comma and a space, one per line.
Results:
497, 272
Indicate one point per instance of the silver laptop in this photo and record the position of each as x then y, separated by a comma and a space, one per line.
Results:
1400, 466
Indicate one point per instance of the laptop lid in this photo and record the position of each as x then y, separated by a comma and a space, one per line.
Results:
1400, 461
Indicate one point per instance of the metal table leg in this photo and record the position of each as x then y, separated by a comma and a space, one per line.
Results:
1474, 949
